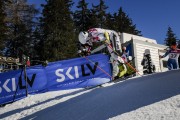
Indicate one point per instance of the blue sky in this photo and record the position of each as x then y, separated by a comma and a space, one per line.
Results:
152, 17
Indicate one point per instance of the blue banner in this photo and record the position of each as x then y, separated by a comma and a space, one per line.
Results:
13, 85
79, 72
68, 74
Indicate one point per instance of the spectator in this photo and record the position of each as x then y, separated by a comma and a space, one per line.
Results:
173, 53
147, 63
179, 48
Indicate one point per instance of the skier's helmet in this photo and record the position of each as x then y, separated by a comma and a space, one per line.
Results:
173, 45
83, 37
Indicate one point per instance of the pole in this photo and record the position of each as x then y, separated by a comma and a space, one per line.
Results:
17, 87
25, 78
99, 67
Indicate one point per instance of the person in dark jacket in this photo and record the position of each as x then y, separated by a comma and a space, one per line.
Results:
147, 63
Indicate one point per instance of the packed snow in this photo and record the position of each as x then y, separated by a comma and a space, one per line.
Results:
152, 97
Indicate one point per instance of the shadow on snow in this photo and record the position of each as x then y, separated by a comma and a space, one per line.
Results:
108, 102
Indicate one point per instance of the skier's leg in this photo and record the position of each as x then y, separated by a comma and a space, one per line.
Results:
115, 70
116, 41
169, 62
175, 64
123, 70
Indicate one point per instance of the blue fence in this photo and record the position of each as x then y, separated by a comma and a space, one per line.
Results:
67, 74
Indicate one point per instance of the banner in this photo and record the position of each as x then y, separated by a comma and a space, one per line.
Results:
13, 85
79, 72
67, 74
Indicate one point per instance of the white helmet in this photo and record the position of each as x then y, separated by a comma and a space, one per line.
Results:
83, 37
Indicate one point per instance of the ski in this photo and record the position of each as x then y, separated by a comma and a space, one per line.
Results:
118, 80
98, 49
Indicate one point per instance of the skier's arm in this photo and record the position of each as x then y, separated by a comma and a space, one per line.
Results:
106, 35
165, 54
178, 51
107, 39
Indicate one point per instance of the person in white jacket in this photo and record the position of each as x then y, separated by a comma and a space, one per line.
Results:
112, 42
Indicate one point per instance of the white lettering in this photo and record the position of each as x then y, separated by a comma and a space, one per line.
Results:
60, 75
13, 84
70, 76
76, 71
5, 85
68, 73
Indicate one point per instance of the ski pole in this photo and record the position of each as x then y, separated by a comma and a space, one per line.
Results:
123, 59
14, 97
98, 67
25, 77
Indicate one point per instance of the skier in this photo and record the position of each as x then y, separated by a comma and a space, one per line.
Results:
179, 48
173, 53
147, 63
112, 42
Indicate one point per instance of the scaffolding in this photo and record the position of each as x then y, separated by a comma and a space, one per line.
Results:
9, 63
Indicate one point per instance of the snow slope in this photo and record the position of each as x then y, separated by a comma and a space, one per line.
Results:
152, 97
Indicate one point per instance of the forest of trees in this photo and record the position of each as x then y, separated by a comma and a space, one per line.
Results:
51, 34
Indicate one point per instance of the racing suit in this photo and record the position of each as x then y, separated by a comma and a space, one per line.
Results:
112, 42
173, 58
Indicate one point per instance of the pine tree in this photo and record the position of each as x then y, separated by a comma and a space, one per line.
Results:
36, 46
179, 44
110, 21
124, 24
99, 14
58, 30
94, 19
20, 16
3, 27
82, 16
171, 37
